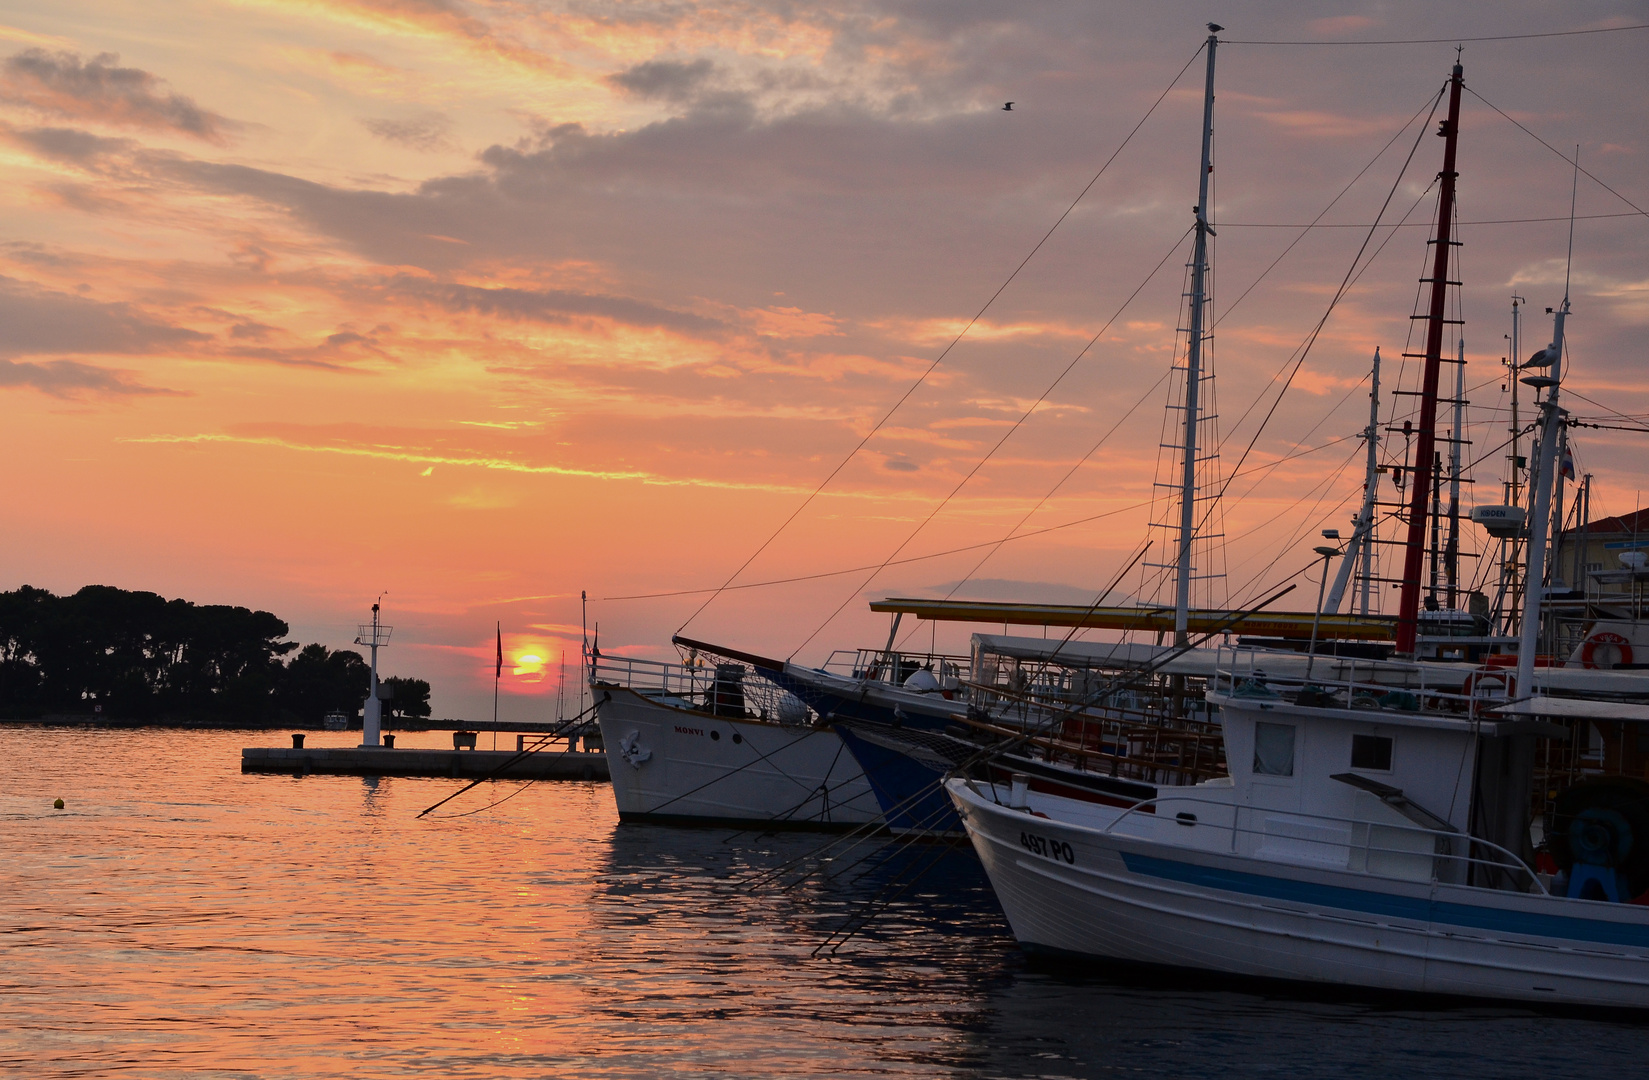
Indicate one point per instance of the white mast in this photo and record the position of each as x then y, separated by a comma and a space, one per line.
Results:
1551, 419
1557, 505
1193, 359
1452, 554
1362, 540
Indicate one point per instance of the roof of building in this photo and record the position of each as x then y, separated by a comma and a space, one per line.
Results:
1636, 522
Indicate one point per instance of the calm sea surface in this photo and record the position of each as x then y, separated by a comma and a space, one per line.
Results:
181, 919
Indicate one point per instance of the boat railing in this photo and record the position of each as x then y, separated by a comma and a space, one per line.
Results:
1327, 681
1442, 842
722, 688
894, 666
660, 676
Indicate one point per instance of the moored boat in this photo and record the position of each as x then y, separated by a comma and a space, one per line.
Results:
1374, 830
717, 745
1347, 847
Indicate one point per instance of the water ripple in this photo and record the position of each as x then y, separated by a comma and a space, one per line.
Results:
179, 919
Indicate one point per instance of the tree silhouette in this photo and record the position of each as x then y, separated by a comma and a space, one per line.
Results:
140, 656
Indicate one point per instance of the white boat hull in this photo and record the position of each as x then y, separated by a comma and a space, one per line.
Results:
677, 764
1082, 891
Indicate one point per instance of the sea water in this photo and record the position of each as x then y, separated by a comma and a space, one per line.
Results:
180, 919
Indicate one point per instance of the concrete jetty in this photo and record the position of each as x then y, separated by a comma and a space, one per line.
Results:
385, 761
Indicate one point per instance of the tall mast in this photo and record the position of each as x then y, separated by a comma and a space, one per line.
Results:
1451, 552
1585, 521
1193, 358
1408, 611
1362, 539
1511, 557
1558, 516
1546, 468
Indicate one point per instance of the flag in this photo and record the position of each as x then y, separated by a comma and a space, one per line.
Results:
498, 669
1568, 464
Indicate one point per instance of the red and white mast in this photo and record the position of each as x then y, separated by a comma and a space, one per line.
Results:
1408, 611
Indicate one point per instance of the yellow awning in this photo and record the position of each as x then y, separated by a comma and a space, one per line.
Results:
1286, 624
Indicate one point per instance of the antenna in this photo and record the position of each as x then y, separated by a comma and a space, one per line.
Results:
1574, 188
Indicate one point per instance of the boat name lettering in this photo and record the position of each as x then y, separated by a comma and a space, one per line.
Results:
1048, 849
688, 730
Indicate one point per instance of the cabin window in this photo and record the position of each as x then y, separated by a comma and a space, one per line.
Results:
1273, 749
1372, 752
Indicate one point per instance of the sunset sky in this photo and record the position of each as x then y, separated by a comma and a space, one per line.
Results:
482, 304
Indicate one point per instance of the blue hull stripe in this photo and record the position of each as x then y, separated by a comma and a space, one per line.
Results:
1410, 908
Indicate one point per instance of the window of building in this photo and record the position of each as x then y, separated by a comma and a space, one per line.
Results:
1273, 749
1371, 752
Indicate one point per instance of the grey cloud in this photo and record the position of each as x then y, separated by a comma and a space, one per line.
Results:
554, 305
69, 145
668, 80
71, 379
41, 322
427, 134
99, 90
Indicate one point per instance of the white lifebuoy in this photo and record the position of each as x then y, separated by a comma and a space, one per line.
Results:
1479, 686
1606, 639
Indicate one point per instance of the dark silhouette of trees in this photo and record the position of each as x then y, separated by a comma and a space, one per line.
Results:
320, 680
142, 657
408, 698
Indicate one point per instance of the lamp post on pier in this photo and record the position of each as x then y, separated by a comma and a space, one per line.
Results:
373, 635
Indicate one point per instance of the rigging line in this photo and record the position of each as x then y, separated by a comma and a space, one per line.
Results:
1455, 41
1487, 454
1006, 435
1607, 427
1321, 214
1092, 450
1311, 340
1558, 152
966, 547
822, 793
853, 838
870, 830
543, 741
1098, 600
1275, 518
759, 758
954, 341
877, 905
524, 786
1417, 224
895, 562
838, 866
1057, 717
1307, 343
1102, 597
1327, 488
1601, 405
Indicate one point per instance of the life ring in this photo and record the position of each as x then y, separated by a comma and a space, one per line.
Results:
1588, 651
1504, 676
